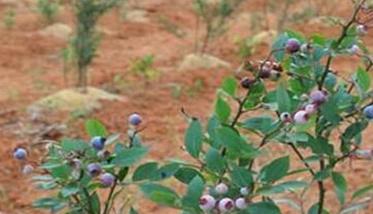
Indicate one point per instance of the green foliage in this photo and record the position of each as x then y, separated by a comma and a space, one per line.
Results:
48, 9
144, 67
9, 18
76, 191
86, 40
214, 14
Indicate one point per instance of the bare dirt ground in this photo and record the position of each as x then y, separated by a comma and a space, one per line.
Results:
30, 68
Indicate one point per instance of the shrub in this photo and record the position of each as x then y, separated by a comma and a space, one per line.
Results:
214, 15
309, 106
86, 40
77, 170
48, 9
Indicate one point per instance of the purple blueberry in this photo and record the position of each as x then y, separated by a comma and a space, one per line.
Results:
265, 72
318, 97
20, 154
94, 169
207, 202
98, 143
368, 112
134, 119
247, 83
226, 205
107, 179
301, 117
292, 45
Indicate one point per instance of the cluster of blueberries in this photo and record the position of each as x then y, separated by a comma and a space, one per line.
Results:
217, 200
93, 169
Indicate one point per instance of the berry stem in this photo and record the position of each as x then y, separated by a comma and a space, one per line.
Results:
321, 189
344, 33
108, 200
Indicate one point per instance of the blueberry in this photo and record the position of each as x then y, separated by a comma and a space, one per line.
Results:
244, 191
134, 119
107, 179
98, 143
27, 169
310, 108
292, 45
221, 188
368, 112
301, 117
94, 169
362, 30
241, 203
226, 205
285, 117
354, 49
265, 73
247, 83
20, 154
207, 202
318, 97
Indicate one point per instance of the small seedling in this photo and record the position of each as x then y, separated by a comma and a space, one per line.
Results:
9, 18
48, 9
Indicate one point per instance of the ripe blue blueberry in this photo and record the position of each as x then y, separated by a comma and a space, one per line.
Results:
107, 179
20, 154
368, 112
94, 169
292, 45
135, 119
98, 143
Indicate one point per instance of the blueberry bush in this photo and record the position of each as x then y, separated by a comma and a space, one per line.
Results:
309, 105
76, 171
292, 99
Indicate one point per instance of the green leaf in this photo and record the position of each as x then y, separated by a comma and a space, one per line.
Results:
340, 186
193, 138
145, 171
49, 203
275, 170
350, 133
123, 173
362, 80
214, 161
283, 99
314, 209
323, 174
95, 128
161, 194
229, 86
130, 156
262, 124
362, 191
279, 188
69, 190
330, 110
133, 211
222, 110
263, 208
70, 145
194, 193
186, 174
241, 177
235, 144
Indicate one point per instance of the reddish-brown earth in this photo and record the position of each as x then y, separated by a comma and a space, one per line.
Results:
30, 68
